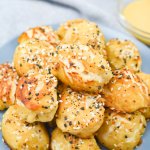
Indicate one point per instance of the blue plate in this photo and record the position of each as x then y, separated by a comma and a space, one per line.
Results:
6, 55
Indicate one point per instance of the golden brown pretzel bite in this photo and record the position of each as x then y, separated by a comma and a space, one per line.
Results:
121, 131
37, 94
81, 67
20, 135
80, 31
123, 54
33, 54
80, 113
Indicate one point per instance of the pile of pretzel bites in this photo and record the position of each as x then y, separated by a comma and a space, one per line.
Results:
73, 82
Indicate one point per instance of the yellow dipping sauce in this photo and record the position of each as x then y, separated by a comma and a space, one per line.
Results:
137, 13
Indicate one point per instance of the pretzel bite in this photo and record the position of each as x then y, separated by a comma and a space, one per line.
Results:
84, 32
80, 114
121, 131
20, 135
66, 141
123, 54
37, 94
146, 80
126, 92
8, 83
81, 67
45, 33
33, 54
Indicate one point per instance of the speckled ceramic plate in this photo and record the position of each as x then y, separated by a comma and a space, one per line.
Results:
7, 50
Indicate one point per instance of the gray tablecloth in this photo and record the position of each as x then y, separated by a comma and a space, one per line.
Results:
18, 15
